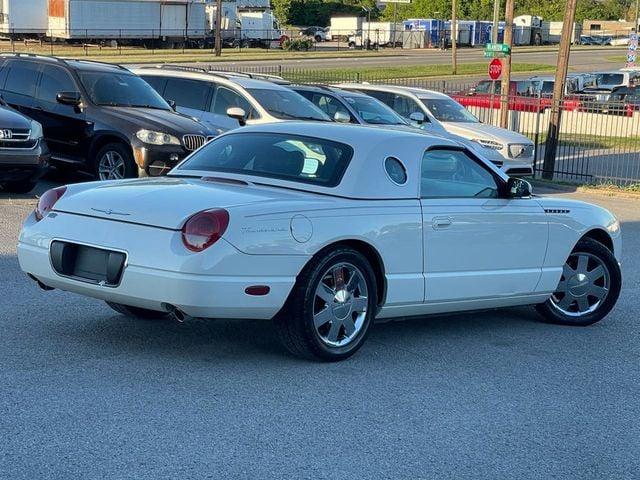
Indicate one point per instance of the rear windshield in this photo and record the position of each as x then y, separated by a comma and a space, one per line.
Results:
610, 79
287, 157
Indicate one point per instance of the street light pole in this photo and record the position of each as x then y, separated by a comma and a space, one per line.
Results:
496, 16
454, 37
218, 38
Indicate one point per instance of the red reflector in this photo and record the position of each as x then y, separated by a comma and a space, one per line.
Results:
257, 290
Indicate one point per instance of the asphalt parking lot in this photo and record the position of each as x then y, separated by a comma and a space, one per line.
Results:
89, 394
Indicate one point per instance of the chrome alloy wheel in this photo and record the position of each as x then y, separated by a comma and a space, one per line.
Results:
340, 305
584, 285
111, 166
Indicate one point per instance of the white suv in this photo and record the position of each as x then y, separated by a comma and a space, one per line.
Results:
439, 113
224, 101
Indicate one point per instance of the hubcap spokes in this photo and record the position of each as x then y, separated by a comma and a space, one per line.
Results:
340, 305
111, 166
583, 287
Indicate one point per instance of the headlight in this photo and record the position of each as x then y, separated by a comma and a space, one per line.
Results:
36, 130
521, 150
156, 138
488, 143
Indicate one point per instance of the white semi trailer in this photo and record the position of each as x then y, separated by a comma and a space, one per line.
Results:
163, 23
246, 23
23, 18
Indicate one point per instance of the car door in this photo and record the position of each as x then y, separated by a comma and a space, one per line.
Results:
477, 244
192, 97
65, 126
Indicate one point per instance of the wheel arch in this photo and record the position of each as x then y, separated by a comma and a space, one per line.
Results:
372, 255
104, 139
600, 236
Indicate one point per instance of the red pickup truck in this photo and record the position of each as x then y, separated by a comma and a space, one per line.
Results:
523, 97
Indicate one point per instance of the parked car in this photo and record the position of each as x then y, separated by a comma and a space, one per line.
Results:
99, 117
24, 154
224, 102
524, 96
609, 80
350, 107
622, 101
439, 113
319, 34
323, 228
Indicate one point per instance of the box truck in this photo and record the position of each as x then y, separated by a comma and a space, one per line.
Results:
23, 18
377, 34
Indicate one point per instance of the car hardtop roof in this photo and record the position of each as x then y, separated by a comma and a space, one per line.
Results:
418, 92
328, 89
350, 134
208, 77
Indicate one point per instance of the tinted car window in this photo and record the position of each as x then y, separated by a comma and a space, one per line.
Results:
188, 93
22, 78
53, 81
447, 110
373, 111
288, 157
226, 98
454, 174
121, 90
329, 104
158, 83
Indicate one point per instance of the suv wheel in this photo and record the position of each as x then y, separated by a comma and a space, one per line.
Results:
113, 162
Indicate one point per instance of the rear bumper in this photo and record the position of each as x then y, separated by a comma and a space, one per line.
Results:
160, 274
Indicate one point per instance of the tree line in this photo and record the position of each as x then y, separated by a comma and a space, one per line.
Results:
319, 12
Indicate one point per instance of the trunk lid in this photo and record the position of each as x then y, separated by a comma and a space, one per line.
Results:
165, 202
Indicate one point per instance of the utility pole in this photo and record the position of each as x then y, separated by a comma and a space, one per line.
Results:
454, 37
496, 16
551, 145
218, 38
635, 20
506, 64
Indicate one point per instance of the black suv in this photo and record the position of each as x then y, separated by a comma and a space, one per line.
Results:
99, 117
24, 155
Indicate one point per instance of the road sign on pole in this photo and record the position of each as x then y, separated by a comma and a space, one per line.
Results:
631, 52
495, 69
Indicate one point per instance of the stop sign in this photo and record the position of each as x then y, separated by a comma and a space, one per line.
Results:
495, 69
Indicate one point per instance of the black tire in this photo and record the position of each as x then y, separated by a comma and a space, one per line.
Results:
295, 323
117, 152
24, 186
563, 308
317, 38
137, 312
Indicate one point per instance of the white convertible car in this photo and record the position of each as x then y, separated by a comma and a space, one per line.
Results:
323, 227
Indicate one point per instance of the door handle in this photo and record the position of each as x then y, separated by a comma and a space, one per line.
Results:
440, 223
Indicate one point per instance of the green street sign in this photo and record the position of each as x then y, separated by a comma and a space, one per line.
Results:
494, 54
497, 47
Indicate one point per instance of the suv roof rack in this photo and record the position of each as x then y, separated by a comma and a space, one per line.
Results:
59, 59
223, 73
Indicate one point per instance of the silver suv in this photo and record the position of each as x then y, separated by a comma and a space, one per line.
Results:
224, 101
439, 113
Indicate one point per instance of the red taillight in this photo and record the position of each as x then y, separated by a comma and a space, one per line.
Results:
204, 229
47, 201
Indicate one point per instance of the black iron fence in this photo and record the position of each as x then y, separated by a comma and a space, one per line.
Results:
599, 139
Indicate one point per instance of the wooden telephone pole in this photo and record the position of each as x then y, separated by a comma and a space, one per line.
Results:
454, 37
506, 64
218, 38
551, 145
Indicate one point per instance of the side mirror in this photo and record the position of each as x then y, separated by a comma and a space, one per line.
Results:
342, 117
417, 117
518, 188
239, 114
69, 98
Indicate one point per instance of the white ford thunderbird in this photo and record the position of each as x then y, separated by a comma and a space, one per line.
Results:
323, 227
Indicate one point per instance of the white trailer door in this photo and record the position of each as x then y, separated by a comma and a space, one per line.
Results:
173, 19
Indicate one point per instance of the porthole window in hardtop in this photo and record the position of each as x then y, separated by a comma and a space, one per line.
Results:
275, 155
448, 173
396, 171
